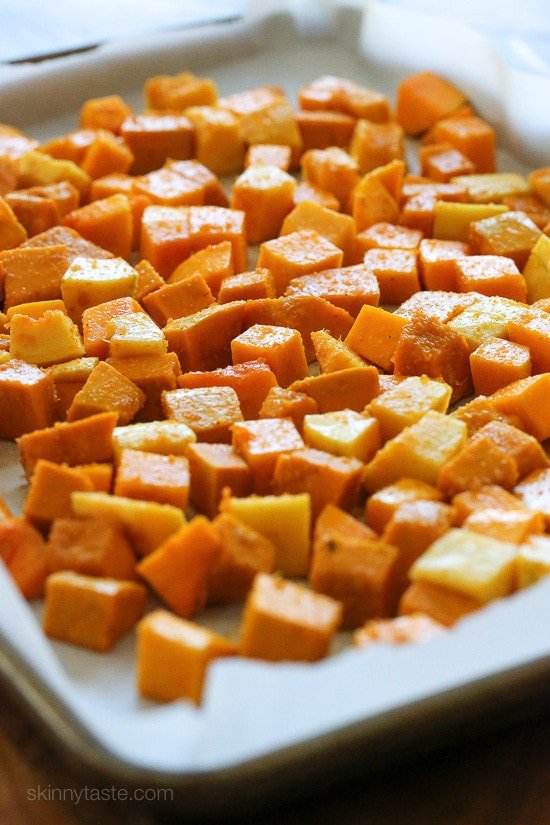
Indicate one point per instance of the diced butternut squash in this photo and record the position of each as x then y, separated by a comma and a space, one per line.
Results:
336, 227
264, 193
49, 493
23, 551
424, 98
46, 340
173, 656
343, 432
202, 341
153, 374
246, 286
260, 442
534, 491
348, 287
107, 390
244, 553
497, 363
419, 451
351, 388
296, 254
375, 144
284, 519
27, 399
154, 138
435, 260
281, 348
383, 504
95, 320
340, 94
537, 270
533, 560
90, 546
178, 569
490, 275
164, 437
406, 403
472, 136
513, 525
374, 335
214, 468
284, 620
251, 380
88, 282
528, 400
106, 222
91, 612
178, 300
412, 629
153, 477
209, 411
479, 462
443, 604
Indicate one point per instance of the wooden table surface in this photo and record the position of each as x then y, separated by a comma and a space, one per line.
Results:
502, 777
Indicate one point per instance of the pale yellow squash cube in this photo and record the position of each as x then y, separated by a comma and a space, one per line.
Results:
147, 523
46, 340
405, 404
78, 369
475, 565
285, 520
537, 271
135, 334
39, 169
487, 318
452, 220
492, 187
533, 562
35, 308
343, 432
91, 281
419, 451
164, 437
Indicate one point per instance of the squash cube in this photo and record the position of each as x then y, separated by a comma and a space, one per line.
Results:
173, 656
209, 411
336, 227
375, 334
534, 492
251, 380
91, 547
331, 169
153, 477
154, 138
435, 262
343, 432
395, 270
419, 451
375, 144
91, 612
452, 220
472, 136
202, 341
479, 462
384, 503
497, 363
477, 566
152, 374
163, 437
219, 141
178, 299
106, 222
284, 620
260, 442
333, 354
135, 334
528, 400
349, 287
264, 193
280, 347
178, 569
490, 275
107, 390
27, 399
33, 273
443, 604
49, 493
212, 469
533, 560
284, 519
424, 98
246, 286
406, 403
88, 282
46, 340
95, 320
298, 253
537, 270
23, 551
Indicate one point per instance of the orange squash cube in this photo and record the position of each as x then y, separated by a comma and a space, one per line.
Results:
209, 225
148, 280
108, 112
412, 629
375, 334
23, 551
528, 400
472, 136
202, 341
479, 462
100, 474
198, 173
513, 525
91, 612
33, 274
384, 503
153, 477
219, 142
212, 468
512, 234
208, 411
107, 390
331, 169
486, 497
348, 287
247, 286
298, 253
49, 493
251, 380
178, 569
329, 479
177, 92
260, 443
268, 154
338, 228
166, 187
320, 129
351, 388
106, 222
428, 347
178, 300
214, 263
173, 656
526, 451
27, 399
305, 191
152, 374
375, 144
283, 620
333, 354
435, 262
76, 442
534, 492
264, 193
442, 604
282, 402
92, 547
532, 330
280, 347
424, 98
497, 363
395, 270
442, 161
154, 138
245, 552
356, 569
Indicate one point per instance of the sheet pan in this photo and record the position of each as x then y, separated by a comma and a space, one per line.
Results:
266, 727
